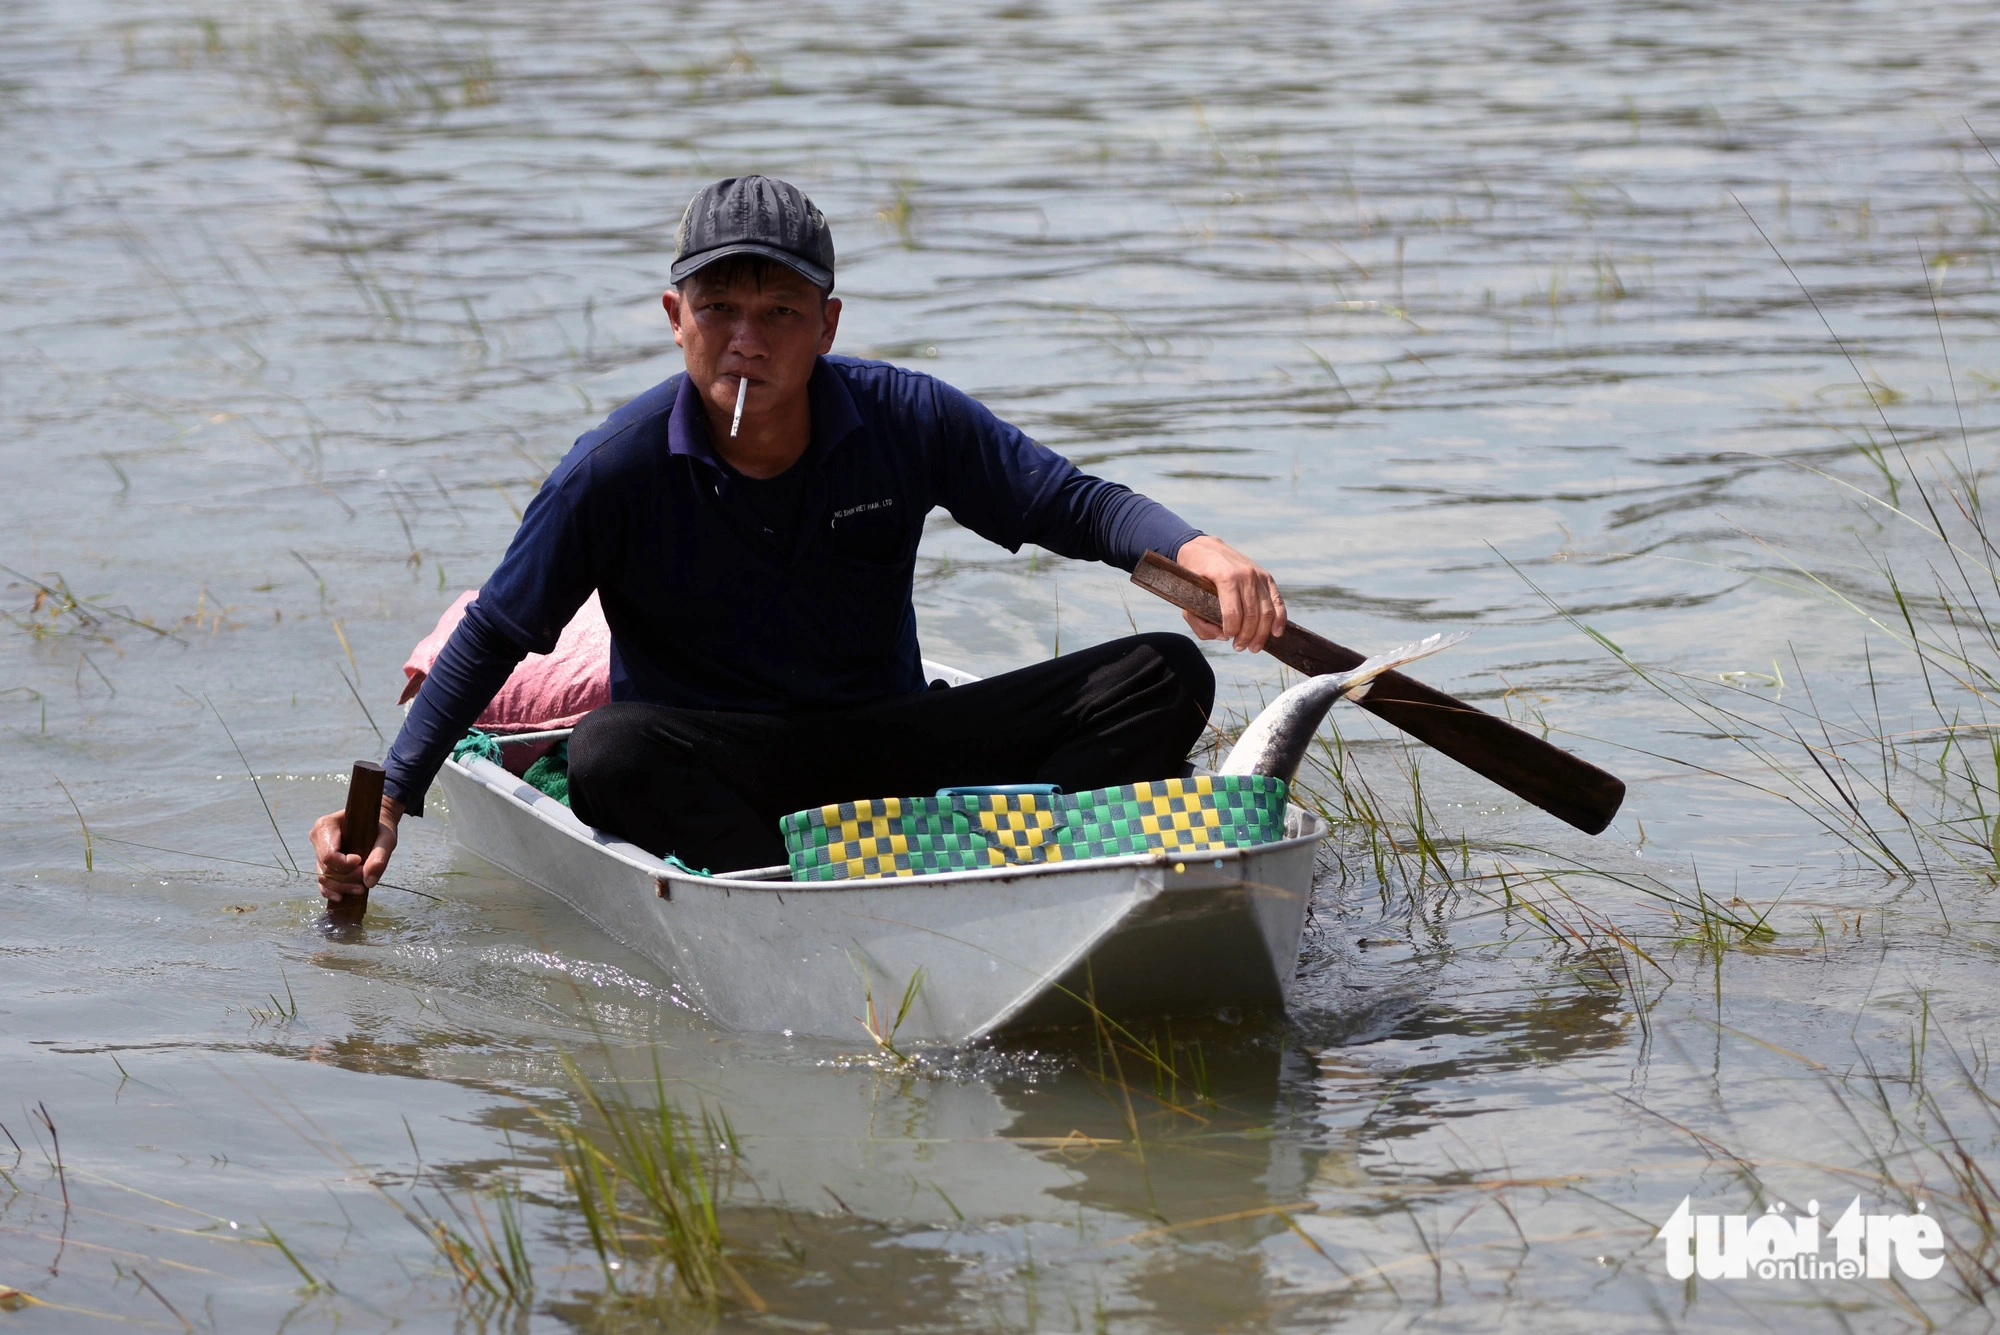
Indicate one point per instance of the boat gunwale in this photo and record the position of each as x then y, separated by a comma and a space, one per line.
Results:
1312, 830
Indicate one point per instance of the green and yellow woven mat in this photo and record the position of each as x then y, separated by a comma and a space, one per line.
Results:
912, 836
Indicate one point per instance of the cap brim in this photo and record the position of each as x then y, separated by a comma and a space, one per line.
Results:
806, 269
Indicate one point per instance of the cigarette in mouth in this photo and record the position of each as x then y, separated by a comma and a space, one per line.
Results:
742, 392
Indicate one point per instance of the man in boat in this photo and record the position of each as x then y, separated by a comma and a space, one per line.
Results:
751, 527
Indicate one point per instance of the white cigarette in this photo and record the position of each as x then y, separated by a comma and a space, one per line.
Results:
742, 393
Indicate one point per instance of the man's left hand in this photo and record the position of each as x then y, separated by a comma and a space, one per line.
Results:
1252, 610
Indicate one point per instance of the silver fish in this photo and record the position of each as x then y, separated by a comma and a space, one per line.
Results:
1276, 740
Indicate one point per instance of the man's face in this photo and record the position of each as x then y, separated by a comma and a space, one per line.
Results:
768, 335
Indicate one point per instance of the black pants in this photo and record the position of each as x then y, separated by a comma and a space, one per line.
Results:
710, 787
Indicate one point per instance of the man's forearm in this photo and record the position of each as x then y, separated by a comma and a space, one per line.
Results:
1095, 520
474, 664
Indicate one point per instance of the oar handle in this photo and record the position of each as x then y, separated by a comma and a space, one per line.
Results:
362, 822
1184, 589
1559, 783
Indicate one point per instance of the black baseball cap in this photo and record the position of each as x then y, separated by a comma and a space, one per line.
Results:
755, 215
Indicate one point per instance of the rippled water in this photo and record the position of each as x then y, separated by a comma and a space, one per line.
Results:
1424, 306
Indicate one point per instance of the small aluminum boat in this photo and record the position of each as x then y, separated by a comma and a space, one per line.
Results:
976, 954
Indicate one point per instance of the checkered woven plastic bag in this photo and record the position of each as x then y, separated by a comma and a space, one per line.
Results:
913, 836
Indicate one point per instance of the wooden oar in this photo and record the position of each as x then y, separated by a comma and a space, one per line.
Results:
357, 833
1568, 788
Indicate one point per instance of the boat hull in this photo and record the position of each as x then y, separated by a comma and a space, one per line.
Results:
990, 953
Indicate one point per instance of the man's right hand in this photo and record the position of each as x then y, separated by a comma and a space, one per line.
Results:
1253, 611
342, 874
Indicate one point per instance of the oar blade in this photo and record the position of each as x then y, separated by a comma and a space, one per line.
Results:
1566, 786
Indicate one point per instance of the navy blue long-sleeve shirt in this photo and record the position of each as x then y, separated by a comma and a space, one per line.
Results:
707, 610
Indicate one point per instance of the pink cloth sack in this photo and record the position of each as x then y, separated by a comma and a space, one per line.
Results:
546, 691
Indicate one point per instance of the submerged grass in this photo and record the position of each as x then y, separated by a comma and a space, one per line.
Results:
488, 1258
884, 1036
279, 1012
647, 1180
89, 853
346, 69
1907, 785
1917, 801
1904, 782
1915, 1155
57, 611
313, 1283
1904, 1146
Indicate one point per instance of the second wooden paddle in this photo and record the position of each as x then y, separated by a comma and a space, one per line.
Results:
1536, 771
358, 830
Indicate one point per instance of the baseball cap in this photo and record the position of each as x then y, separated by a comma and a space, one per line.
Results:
755, 215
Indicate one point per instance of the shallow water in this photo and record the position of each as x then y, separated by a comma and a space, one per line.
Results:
1416, 304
